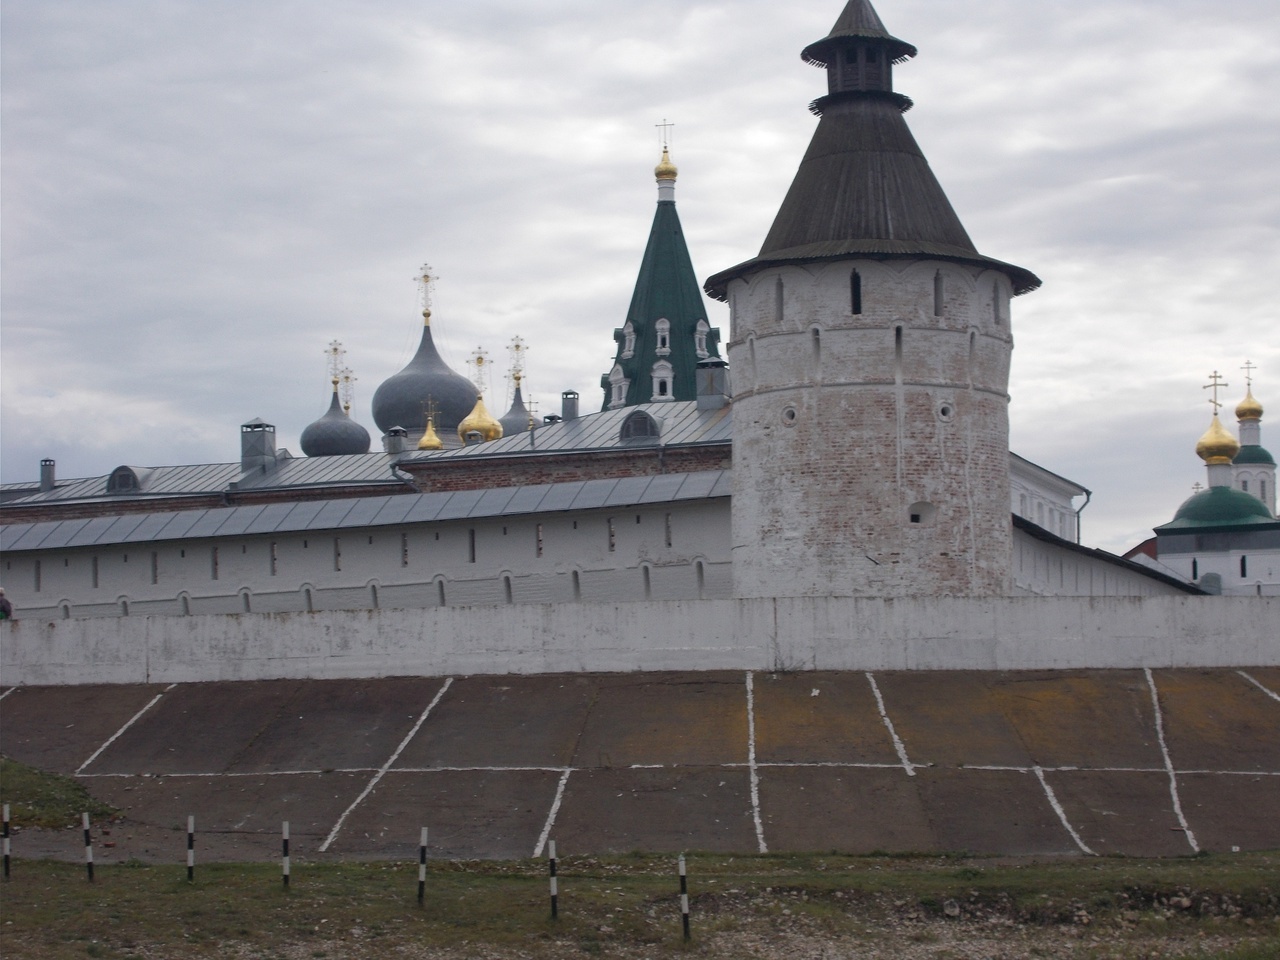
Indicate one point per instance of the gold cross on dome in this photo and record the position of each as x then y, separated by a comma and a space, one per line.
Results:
425, 278
665, 127
1248, 369
1215, 384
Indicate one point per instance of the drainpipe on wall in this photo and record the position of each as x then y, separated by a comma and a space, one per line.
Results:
1088, 495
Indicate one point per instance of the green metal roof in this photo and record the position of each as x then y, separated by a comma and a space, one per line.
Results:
1252, 453
1219, 507
666, 288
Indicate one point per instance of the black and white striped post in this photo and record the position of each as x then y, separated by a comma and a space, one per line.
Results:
422, 868
684, 898
88, 847
6, 841
191, 849
284, 853
555, 893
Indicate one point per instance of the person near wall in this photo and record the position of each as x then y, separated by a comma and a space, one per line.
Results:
6, 608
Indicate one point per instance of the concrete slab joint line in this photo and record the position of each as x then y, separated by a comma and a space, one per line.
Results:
1269, 692
115, 736
751, 762
1062, 814
907, 765
333, 834
551, 814
1168, 763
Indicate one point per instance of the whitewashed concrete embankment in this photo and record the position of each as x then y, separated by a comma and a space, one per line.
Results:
763, 634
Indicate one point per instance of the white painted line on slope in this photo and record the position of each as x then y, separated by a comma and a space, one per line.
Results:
7, 692
751, 762
551, 814
834, 764
1168, 762
480, 769
907, 765
333, 834
115, 736
1062, 814
1269, 692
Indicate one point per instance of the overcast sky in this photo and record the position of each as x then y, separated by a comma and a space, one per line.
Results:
199, 195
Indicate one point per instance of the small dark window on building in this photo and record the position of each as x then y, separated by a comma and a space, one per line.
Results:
37, 576
613, 537
471, 545
537, 539
855, 292
337, 554
915, 518
1195, 569
1244, 566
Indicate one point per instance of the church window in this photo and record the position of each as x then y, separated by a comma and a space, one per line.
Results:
663, 330
1244, 566
648, 583
628, 340
577, 586
471, 545
373, 595
1244, 485
777, 301
274, 558
506, 588
244, 599
700, 339
995, 304
702, 580
37, 576
939, 292
1262, 490
855, 293
337, 553
618, 384
815, 343
213, 564
440, 598
1022, 504
897, 353
1195, 569
663, 373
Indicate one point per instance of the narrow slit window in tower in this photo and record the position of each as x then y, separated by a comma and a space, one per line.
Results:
337, 553
777, 301
938, 292
471, 545
855, 292
897, 353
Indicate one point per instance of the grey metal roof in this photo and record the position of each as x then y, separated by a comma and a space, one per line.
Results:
217, 478
682, 424
367, 511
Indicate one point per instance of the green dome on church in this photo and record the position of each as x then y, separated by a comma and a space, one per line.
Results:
1252, 453
1218, 507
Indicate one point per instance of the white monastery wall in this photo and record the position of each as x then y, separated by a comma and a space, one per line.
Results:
1043, 569
669, 551
763, 634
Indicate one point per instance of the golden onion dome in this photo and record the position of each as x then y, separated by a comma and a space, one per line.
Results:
1249, 408
1217, 446
665, 170
479, 420
430, 439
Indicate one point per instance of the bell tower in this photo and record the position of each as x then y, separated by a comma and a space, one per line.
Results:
870, 349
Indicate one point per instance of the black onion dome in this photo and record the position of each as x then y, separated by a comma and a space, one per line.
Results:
401, 399
335, 434
515, 420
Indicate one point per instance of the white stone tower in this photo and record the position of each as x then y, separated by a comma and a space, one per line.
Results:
1254, 468
870, 352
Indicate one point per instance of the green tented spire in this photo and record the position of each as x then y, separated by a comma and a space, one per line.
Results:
666, 332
